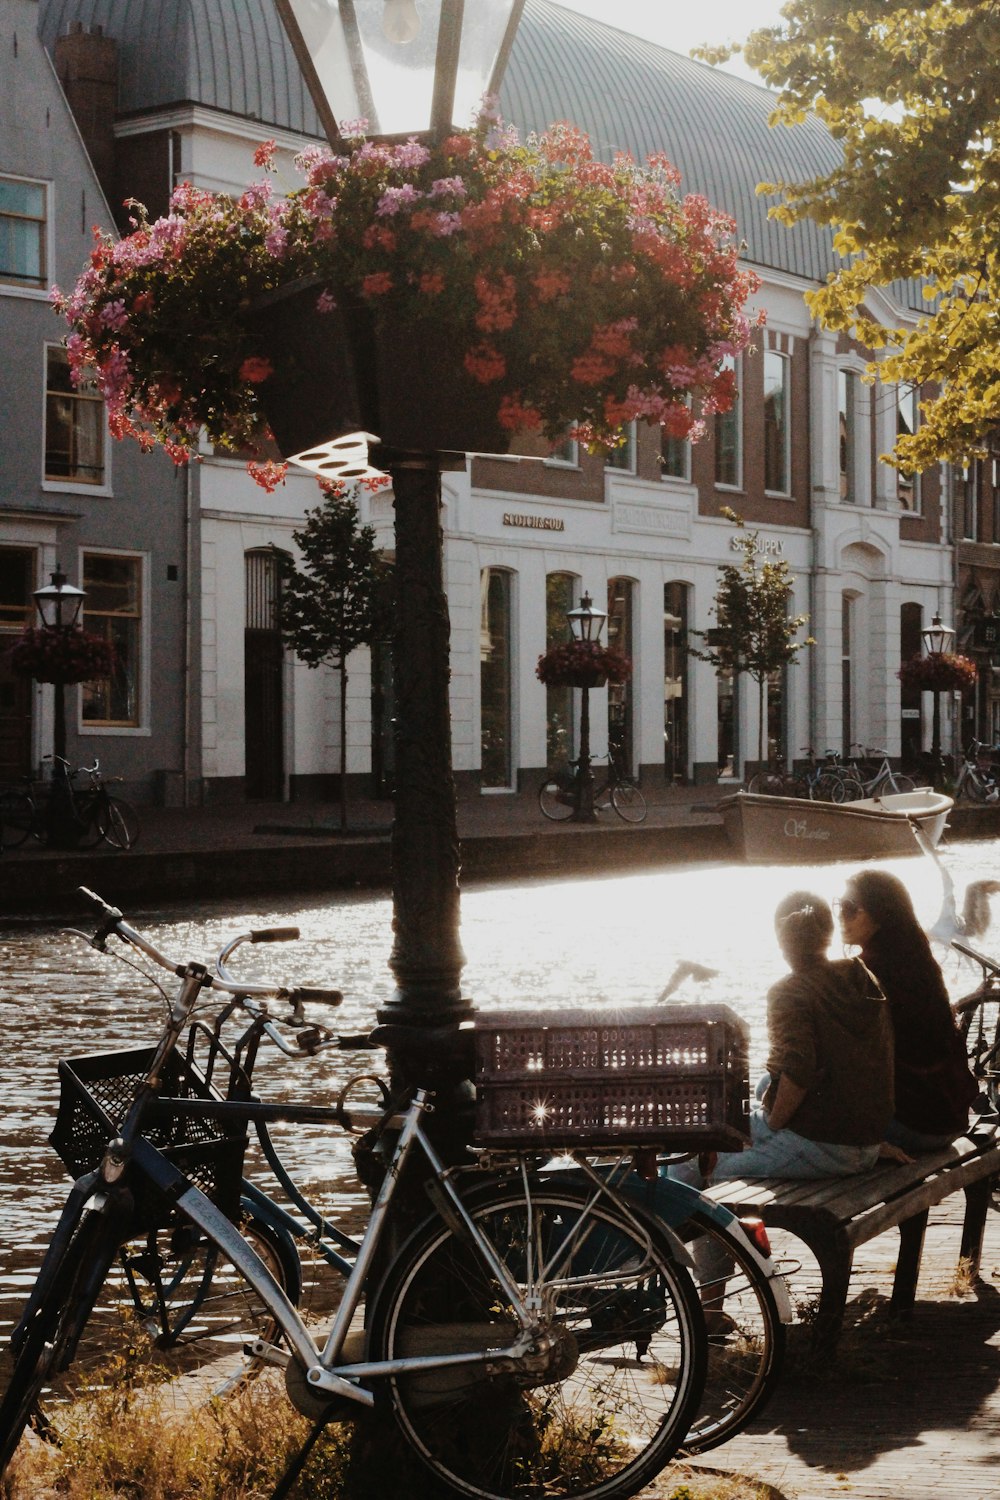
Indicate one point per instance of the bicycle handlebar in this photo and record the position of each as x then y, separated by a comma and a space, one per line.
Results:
988, 965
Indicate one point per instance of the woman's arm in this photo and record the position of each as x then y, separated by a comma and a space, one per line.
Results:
786, 1101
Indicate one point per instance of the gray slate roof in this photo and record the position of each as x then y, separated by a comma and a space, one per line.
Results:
627, 93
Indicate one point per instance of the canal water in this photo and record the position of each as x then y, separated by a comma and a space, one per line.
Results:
599, 942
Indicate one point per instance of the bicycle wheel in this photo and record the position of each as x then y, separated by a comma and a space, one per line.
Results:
609, 1379
46, 1346
974, 786
746, 1337
17, 818
895, 782
184, 1291
794, 786
556, 795
766, 784
118, 823
628, 802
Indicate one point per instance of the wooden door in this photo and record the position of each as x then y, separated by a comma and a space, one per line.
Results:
17, 572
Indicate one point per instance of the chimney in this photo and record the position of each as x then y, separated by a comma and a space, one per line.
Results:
87, 66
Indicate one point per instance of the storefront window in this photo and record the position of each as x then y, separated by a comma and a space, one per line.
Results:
675, 682
619, 628
494, 678
560, 596
846, 685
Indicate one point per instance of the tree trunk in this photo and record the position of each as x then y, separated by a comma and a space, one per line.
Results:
343, 746
760, 724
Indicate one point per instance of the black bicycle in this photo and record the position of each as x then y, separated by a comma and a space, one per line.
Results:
559, 793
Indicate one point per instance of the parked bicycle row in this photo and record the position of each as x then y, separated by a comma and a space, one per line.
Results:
557, 1328
71, 809
870, 773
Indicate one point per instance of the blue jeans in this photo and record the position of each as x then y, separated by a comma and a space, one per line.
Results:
914, 1142
785, 1153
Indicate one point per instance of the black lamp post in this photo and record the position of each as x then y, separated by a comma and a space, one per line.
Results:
413, 67
937, 639
59, 604
586, 623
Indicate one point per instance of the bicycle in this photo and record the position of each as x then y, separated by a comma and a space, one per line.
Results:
533, 1332
737, 1279
978, 1017
979, 777
94, 811
558, 794
777, 782
881, 780
18, 816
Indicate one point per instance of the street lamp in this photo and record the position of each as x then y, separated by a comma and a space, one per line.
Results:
937, 639
586, 623
59, 604
413, 69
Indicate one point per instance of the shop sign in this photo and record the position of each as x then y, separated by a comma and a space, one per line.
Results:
534, 523
767, 546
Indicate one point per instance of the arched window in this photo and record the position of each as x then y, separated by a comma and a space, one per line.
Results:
621, 592
675, 681
263, 664
561, 591
496, 719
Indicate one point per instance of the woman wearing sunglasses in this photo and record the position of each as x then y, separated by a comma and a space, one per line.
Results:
933, 1085
828, 1095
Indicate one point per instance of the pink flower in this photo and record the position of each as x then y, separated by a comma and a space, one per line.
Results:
325, 302
377, 284
264, 154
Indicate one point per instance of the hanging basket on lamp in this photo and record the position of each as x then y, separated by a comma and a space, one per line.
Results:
51, 653
939, 672
444, 297
582, 664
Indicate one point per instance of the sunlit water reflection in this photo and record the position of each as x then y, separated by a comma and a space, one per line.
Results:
597, 942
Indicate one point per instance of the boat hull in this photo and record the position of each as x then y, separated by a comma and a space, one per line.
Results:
794, 831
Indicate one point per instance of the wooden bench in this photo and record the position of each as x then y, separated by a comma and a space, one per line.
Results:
835, 1215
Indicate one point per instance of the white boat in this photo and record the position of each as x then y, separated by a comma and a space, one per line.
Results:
794, 831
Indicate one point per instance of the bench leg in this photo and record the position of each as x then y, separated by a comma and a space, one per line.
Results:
835, 1261
977, 1202
911, 1245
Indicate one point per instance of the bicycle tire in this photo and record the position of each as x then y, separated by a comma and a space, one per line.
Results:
746, 1337
184, 1292
628, 802
556, 796
980, 1029
895, 782
88, 816
118, 823
18, 818
616, 1396
794, 786
48, 1343
766, 784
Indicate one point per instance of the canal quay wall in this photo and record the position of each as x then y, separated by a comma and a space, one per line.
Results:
280, 848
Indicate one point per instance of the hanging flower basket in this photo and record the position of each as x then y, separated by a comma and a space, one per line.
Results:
939, 672
442, 297
49, 654
582, 664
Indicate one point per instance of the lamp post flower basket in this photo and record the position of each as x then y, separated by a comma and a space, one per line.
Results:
443, 296
939, 672
66, 654
582, 664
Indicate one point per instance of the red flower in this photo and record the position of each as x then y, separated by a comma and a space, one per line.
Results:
938, 672
51, 654
255, 368
562, 666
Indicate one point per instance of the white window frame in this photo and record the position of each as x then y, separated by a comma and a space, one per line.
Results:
143, 729
913, 395
735, 414
629, 450
785, 490
35, 293
558, 461
72, 486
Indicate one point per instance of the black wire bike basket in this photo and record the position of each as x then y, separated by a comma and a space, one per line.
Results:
95, 1095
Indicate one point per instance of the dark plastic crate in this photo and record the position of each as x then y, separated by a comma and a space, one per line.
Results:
672, 1076
95, 1095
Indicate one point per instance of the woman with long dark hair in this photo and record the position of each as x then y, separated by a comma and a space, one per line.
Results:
933, 1084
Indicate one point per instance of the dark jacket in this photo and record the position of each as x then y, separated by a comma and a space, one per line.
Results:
934, 1086
828, 1028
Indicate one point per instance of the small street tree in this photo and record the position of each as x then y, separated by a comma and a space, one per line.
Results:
334, 604
754, 632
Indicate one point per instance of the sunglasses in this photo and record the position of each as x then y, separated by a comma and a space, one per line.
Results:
847, 908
